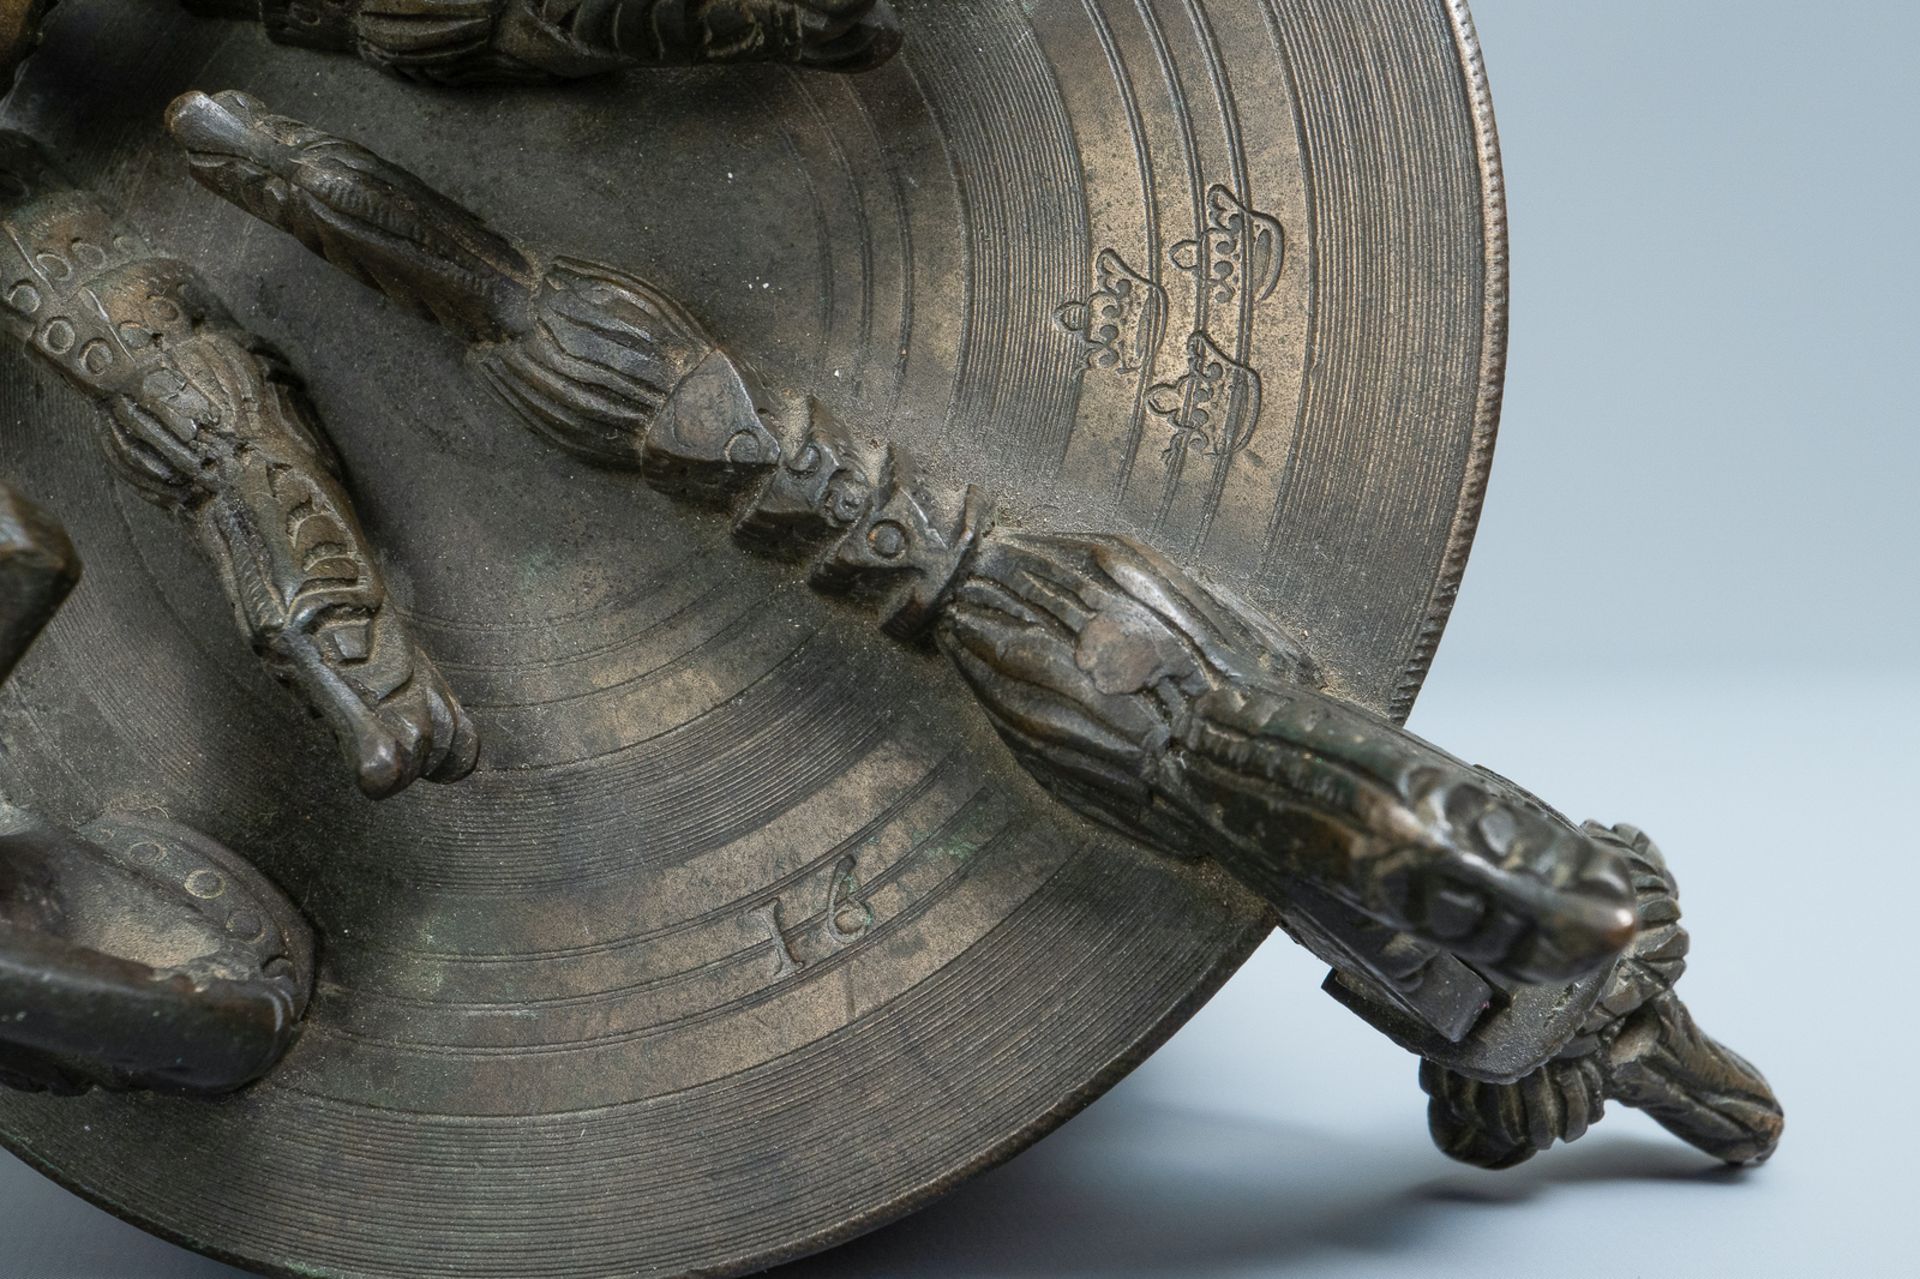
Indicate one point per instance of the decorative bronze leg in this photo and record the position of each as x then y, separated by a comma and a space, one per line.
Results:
1637, 1044
1463, 917
134, 953
207, 421
468, 41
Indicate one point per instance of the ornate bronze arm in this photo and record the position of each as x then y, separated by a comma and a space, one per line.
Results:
1463, 916
207, 421
134, 953
466, 41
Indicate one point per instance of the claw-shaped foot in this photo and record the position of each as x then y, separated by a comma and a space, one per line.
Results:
385, 700
1638, 1045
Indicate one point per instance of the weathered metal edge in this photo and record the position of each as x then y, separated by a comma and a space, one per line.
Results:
1493, 365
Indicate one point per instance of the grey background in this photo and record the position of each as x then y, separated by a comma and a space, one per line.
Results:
1689, 607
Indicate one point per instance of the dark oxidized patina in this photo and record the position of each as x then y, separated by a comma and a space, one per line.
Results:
977, 529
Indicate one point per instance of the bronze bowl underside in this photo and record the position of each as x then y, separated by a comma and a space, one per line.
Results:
747, 935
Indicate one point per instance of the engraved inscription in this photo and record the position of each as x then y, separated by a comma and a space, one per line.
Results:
833, 921
849, 915
785, 960
1240, 250
1123, 321
1212, 408
1141, 699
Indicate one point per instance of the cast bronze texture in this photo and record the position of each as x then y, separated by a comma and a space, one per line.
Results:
1148, 703
750, 931
134, 954
484, 41
205, 421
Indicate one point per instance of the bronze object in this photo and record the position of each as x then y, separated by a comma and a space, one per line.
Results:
133, 953
741, 912
1154, 706
492, 41
206, 421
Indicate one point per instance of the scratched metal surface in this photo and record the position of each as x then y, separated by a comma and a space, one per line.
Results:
745, 937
